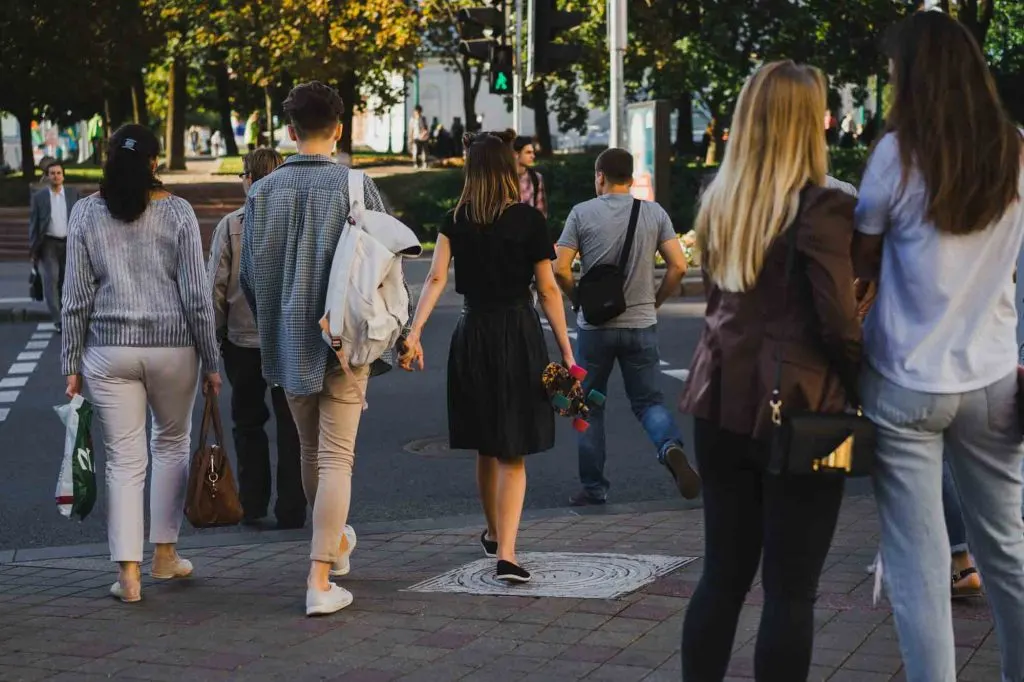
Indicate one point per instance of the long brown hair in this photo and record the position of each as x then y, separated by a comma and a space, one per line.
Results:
950, 123
776, 148
491, 181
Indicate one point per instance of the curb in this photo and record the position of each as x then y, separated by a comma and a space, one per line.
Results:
16, 315
229, 539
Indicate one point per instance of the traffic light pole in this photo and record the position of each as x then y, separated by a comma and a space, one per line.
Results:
617, 36
517, 81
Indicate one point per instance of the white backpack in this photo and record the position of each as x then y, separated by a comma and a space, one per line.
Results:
367, 301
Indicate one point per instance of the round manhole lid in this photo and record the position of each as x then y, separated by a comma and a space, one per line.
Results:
435, 446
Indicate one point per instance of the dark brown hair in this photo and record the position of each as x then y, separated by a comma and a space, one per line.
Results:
128, 175
950, 123
491, 181
259, 163
616, 164
313, 109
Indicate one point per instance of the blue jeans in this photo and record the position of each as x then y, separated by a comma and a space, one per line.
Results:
981, 437
637, 353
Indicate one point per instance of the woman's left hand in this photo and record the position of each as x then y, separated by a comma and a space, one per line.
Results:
74, 385
413, 353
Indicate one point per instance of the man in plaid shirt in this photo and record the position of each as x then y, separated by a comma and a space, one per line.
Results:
293, 221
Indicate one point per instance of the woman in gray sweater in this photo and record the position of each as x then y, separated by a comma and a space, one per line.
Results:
137, 322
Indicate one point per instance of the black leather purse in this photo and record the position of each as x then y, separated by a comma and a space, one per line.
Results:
817, 443
601, 292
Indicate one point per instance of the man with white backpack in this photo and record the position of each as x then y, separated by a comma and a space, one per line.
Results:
309, 247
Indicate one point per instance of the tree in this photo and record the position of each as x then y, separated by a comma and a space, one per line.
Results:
441, 39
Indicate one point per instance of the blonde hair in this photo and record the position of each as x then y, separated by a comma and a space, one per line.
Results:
776, 148
492, 184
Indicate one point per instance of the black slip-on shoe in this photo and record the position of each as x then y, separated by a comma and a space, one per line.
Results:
490, 546
687, 480
511, 573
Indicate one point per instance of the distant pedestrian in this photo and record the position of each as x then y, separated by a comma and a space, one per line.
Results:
458, 130
243, 364
748, 225
497, 405
531, 183
292, 223
252, 131
48, 235
137, 322
944, 186
596, 231
419, 137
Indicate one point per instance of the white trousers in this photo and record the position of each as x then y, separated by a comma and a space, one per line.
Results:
121, 382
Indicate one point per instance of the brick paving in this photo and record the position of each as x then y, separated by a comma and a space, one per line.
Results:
241, 617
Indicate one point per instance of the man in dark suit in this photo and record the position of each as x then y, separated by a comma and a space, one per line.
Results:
48, 234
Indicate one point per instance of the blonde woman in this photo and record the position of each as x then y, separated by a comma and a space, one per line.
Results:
769, 191
496, 402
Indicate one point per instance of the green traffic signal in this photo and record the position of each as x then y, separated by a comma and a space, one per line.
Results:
501, 83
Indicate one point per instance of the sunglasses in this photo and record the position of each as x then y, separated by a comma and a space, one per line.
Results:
243, 175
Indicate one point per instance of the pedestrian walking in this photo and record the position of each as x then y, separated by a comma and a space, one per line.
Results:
252, 131
292, 223
419, 137
767, 310
243, 364
600, 231
531, 183
48, 235
497, 404
942, 190
137, 322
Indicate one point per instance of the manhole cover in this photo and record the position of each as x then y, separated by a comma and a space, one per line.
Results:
556, 574
435, 446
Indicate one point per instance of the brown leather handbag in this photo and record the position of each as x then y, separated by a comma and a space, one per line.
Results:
211, 498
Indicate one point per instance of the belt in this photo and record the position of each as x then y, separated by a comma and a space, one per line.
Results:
57, 239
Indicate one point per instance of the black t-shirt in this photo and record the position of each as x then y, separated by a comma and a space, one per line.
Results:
494, 263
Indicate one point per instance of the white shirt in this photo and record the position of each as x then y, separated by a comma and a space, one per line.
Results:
945, 319
58, 226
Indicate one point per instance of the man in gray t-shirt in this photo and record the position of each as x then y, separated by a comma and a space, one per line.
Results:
596, 230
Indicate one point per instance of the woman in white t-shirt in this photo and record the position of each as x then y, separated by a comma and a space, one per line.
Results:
940, 225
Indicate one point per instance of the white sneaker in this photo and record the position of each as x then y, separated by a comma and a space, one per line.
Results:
320, 603
342, 565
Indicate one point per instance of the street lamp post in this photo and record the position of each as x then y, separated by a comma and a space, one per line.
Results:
617, 37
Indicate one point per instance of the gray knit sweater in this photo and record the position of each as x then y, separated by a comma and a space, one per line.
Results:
140, 284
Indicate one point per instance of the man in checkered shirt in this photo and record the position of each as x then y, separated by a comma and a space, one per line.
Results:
293, 220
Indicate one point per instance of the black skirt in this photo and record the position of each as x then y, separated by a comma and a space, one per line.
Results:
496, 401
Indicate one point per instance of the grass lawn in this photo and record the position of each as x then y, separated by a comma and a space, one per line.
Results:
72, 174
232, 165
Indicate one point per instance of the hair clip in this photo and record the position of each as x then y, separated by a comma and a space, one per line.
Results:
129, 144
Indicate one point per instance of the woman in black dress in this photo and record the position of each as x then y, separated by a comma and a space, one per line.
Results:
496, 402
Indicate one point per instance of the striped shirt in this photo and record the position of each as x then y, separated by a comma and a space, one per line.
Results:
293, 221
140, 284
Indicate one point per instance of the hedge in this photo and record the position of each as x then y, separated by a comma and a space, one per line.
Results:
422, 199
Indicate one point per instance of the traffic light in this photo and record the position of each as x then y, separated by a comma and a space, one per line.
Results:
478, 29
501, 70
546, 23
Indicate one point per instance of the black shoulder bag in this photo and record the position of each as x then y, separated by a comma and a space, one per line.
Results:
601, 292
831, 444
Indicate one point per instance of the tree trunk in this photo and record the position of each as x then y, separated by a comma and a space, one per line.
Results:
140, 112
28, 159
223, 84
541, 124
976, 15
268, 102
684, 126
174, 142
468, 99
347, 90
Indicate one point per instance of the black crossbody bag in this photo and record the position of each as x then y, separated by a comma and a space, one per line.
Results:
820, 443
601, 292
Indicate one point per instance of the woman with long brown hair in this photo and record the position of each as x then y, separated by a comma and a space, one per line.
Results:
942, 194
775, 245
496, 401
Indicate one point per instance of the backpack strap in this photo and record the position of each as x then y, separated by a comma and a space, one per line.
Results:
535, 181
356, 199
630, 233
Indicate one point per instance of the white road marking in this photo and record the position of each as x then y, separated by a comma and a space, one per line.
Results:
3, 413
8, 396
30, 355
13, 382
37, 345
42, 336
47, 327
22, 368
681, 374
663, 363
15, 300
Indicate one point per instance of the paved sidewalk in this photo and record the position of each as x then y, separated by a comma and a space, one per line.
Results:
241, 617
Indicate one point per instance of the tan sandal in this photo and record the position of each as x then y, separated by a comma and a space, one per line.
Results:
179, 568
969, 590
128, 594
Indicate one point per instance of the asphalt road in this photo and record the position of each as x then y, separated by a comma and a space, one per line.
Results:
391, 482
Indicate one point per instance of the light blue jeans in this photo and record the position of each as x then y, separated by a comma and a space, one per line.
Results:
980, 434
636, 351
